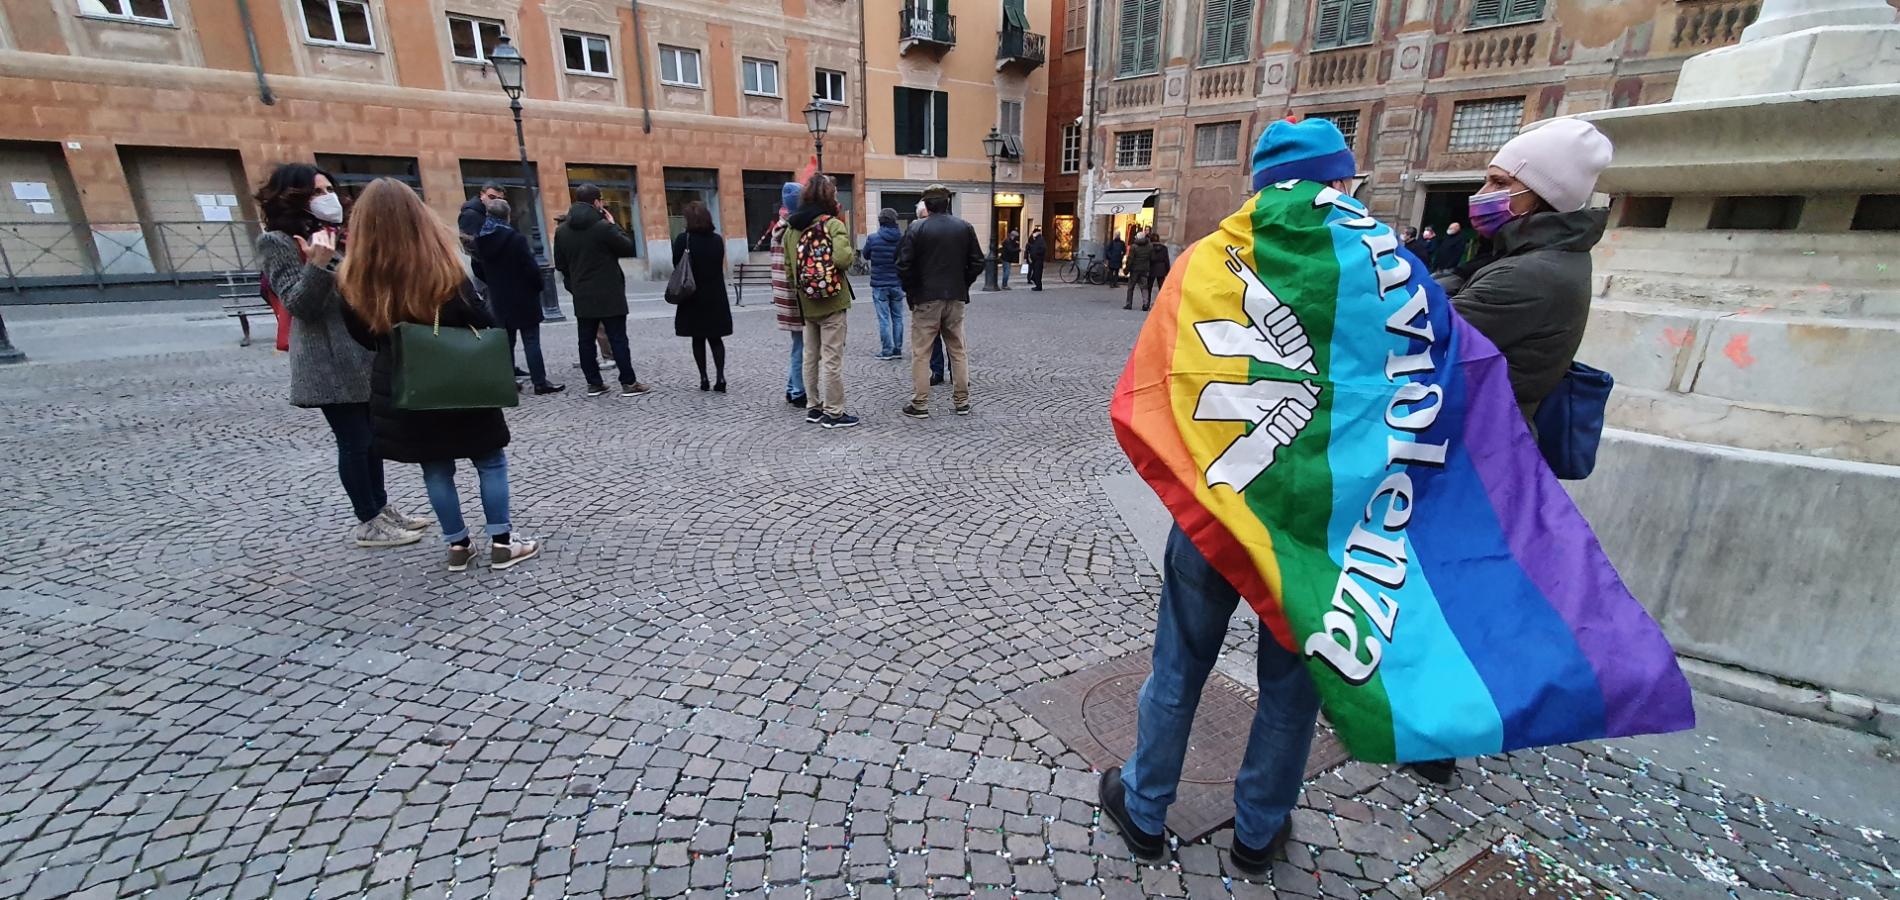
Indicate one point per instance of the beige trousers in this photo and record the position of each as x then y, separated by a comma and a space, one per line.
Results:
824, 349
927, 320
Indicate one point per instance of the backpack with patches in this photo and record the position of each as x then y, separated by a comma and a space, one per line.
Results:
817, 277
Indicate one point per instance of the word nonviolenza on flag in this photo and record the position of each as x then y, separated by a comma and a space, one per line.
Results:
1347, 452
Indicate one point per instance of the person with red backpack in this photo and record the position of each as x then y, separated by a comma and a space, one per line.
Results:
818, 253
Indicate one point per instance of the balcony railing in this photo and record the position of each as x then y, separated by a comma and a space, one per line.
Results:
1342, 69
1024, 48
926, 26
1700, 26
1488, 51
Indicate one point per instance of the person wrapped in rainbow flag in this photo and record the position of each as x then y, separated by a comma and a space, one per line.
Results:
1340, 448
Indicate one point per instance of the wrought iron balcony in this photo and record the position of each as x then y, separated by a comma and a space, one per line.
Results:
1014, 46
927, 27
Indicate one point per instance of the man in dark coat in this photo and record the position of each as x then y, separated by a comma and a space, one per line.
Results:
469, 222
588, 248
1038, 253
887, 293
514, 288
1012, 255
1112, 255
1451, 248
937, 260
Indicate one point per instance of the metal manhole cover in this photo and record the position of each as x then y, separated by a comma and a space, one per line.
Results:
1093, 712
1510, 870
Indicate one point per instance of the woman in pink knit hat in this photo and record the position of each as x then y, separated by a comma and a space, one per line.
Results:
1531, 294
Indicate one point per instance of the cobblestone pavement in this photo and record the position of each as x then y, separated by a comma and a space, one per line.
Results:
756, 659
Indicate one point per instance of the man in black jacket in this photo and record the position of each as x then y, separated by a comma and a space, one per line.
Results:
469, 222
514, 289
588, 248
937, 260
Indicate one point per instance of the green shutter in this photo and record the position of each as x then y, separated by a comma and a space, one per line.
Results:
1014, 15
1358, 25
1523, 10
942, 101
900, 116
1128, 36
1214, 32
1149, 54
940, 20
1326, 24
1486, 12
1239, 24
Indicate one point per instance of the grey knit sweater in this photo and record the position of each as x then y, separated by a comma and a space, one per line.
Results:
326, 364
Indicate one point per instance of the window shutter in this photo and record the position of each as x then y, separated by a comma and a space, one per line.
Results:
940, 19
1150, 36
1358, 26
900, 108
1239, 23
1214, 32
1128, 26
1486, 12
1326, 27
1523, 10
942, 101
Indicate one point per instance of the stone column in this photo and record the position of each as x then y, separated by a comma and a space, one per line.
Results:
1780, 17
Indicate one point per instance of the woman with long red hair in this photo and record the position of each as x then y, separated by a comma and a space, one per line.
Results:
404, 266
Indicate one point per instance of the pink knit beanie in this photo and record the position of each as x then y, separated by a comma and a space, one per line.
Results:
1560, 160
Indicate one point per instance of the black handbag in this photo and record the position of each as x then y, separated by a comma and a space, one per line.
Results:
682, 285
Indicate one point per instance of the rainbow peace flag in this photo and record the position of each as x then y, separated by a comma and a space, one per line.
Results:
1347, 452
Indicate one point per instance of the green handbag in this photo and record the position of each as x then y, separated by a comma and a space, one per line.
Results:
461, 368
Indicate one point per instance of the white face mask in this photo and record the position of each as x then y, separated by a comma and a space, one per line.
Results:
327, 208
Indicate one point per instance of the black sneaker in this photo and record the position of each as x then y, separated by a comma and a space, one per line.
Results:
1146, 847
550, 388
963, 409
1254, 862
845, 421
912, 411
814, 416
1436, 771
797, 400
596, 390
936, 380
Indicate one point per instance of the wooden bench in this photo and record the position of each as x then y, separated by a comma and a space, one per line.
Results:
242, 299
748, 273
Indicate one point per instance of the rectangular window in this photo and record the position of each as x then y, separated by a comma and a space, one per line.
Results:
1224, 32
1139, 44
922, 120
1343, 23
679, 66
157, 12
1010, 118
1134, 149
619, 193
761, 77
1216, 143
1075, 25
1484, 124
829, 84
761, 202
1071, 148
586, 54
1347, 122
472, 39
354, 173
344, 23
684, 186
1485, 13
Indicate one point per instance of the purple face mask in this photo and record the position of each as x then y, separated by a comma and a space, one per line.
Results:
1491, 210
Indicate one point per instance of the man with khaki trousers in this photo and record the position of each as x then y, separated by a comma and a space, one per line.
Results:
937, 261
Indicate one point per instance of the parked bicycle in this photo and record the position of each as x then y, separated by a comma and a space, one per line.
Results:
1086, 269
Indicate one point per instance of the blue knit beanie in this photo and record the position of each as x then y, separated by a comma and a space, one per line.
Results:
1312, 150
788, 195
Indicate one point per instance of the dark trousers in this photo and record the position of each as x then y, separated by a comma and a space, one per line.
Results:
1035, 272
360, 470
938, 366
531, 348
616, 327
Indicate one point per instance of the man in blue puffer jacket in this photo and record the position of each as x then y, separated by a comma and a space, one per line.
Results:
887, 293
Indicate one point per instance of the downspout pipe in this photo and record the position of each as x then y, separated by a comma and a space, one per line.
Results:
640, 59
257, 59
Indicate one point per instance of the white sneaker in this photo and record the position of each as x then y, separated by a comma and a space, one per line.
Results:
505, 556
378, 532
395, 517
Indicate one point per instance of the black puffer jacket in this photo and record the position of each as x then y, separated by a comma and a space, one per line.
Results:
1533, 299
938, 259
512, 276
587, 251
419, 436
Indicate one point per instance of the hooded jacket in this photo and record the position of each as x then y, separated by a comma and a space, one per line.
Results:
880, 250
842, 256
1533, 300
587, 251
512, 276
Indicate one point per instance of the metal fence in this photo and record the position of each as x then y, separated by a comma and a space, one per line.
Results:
66, 254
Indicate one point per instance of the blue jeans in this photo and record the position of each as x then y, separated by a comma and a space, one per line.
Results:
438, 478
1196, 603
360, 470
1002, 278
890, 320
795, 382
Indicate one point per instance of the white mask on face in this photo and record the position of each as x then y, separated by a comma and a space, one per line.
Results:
327, 208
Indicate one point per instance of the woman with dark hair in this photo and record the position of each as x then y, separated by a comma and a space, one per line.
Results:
706, 317
407, 268
298, 256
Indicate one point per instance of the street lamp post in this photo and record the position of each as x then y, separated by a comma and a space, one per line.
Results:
8, 352
993, 148
818, 119
511, 71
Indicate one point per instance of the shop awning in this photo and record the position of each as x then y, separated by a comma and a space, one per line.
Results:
1130, 201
